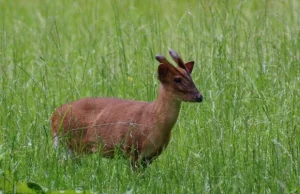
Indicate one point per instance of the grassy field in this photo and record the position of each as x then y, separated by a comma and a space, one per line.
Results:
244, 137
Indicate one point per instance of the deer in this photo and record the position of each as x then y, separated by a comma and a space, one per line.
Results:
138, 130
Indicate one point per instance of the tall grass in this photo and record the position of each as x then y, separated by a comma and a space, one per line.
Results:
243, 138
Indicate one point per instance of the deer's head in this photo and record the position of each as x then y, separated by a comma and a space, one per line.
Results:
178, 81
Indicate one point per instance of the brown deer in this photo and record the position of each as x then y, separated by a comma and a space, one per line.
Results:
138, 130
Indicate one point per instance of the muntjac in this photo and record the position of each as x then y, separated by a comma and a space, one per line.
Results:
138, 130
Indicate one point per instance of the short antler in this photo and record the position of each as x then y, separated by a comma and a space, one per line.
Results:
162, 59
177, 59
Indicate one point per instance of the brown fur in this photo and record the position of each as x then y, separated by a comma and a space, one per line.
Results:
140, 130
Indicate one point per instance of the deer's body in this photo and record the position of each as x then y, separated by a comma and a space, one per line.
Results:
140, 130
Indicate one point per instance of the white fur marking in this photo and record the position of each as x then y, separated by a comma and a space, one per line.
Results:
55, 141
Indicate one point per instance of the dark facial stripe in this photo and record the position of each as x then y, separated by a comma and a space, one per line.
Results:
183, 75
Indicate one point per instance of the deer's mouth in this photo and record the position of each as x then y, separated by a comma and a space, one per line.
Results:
192, 98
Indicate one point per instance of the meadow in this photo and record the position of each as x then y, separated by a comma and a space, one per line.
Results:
243, 138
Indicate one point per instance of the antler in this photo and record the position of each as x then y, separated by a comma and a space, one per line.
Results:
162, 59
177, 59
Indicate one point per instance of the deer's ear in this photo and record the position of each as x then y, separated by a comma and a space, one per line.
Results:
162, 71
189, 66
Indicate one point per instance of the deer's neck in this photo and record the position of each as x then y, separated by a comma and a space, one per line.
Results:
166, 108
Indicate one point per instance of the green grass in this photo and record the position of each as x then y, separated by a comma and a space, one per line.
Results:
244, 137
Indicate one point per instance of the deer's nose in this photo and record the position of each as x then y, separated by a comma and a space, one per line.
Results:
199, 97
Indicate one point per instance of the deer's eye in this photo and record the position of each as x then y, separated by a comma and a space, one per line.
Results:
177, 80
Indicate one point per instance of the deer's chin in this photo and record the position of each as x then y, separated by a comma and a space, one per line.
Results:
185, 99
193, 100
189, 99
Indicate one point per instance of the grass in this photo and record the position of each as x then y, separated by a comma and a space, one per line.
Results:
244, 137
